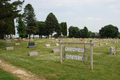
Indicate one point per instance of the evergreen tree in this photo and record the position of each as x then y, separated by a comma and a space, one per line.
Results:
30, 20
21, 28
8, 12
52, 24
64, 28
86, 32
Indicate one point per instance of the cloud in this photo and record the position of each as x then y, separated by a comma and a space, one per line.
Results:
69, 3
89, 18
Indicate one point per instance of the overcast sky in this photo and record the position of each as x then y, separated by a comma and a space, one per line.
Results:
93, 14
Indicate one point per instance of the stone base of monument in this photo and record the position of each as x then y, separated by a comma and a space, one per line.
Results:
31, 45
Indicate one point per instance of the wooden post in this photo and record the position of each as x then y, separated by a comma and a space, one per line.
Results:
60, 52
91, 55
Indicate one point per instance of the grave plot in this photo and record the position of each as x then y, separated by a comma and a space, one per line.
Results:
33, 54
31, 45
9, 48
8, 41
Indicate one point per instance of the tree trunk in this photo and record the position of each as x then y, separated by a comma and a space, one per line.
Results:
41, 36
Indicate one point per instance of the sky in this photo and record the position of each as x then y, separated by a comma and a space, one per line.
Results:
94, 14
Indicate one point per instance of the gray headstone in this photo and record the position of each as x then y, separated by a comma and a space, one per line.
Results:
47, 45
8, 41
112, 50
31, 45
17, 43
33, 54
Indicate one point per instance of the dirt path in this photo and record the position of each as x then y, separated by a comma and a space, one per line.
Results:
18, 72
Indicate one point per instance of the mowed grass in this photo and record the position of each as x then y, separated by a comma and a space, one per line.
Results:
47, 64
7, 76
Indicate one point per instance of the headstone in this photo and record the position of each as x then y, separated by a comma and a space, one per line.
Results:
20, 40
9, 48
100, 44
8, 41
53, 41
55, 50
94, 45
57, 44
33, 54
31, 40
112, 50
116, 41
47, 45
17, 43
106, 43
31, 45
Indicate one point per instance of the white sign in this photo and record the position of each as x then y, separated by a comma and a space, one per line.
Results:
75, 57
74, 49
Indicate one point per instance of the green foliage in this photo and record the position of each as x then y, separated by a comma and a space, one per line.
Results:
64, 28
8, 12
21, 28
30, 20
41, 28
86, 34
109, 31
52, 24
74, 32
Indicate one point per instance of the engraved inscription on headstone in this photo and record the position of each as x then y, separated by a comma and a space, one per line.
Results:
55, 50
9, 48
8, 41
31, 45
33, 54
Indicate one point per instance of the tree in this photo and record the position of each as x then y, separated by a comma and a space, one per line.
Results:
52, 24
86, 32
109, 31
8, 12
64, 28
30, 20
74, 32
41, 28
21, 28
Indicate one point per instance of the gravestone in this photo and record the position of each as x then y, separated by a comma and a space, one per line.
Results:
47, 45
112, 50
57, 44
106, 43
100, 44
8, 41
9, 48
20, 40
55, 50
17, 43
33, 54
31, 45
31, 40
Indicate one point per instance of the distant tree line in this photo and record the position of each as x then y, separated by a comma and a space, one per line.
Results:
28, 24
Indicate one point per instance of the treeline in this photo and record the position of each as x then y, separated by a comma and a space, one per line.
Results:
28, 25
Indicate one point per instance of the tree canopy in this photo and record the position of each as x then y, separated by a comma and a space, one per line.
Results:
109, 31
8, 12
64, 28
52, 24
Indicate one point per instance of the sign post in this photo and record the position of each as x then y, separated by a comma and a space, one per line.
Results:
73, 49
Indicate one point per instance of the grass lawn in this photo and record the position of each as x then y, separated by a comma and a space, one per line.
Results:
7, 76
47, 64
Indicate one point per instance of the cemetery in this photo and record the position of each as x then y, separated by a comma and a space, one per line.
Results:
44, 59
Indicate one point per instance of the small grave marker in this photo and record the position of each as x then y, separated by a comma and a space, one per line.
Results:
8, 41
33, 54
55, 50
31, 40
17, 43
31, 45
9, 48
106, 43
57, 44
47, 45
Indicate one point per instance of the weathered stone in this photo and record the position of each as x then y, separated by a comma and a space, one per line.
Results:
33, 54
8, 41
9, 48
55, 50
17, 43
112, 50
31, 40
31, 45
